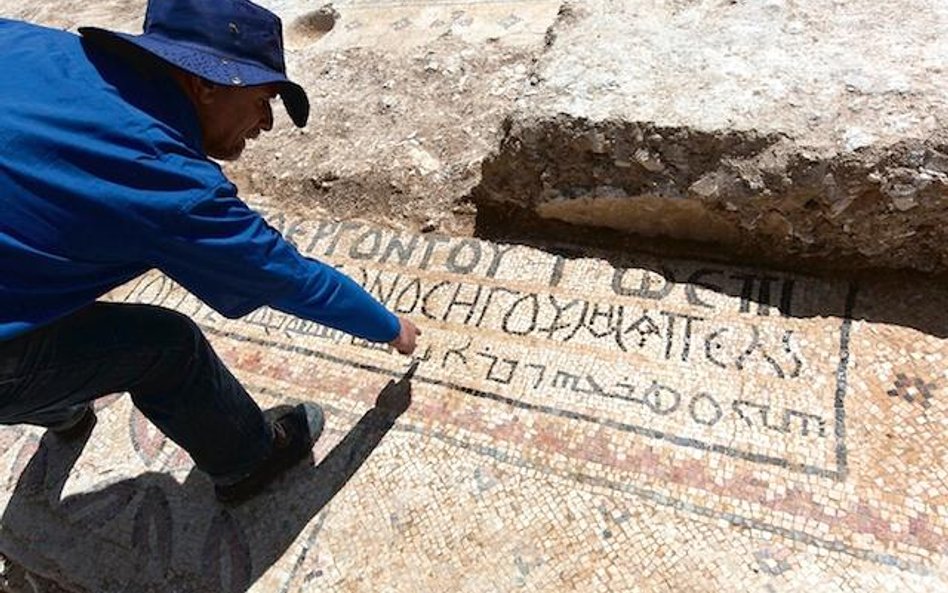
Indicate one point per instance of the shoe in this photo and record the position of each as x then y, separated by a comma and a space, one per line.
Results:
77, 426
295, 431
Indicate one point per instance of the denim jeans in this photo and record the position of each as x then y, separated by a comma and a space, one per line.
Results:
161, 358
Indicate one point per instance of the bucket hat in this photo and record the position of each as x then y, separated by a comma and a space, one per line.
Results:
228, 42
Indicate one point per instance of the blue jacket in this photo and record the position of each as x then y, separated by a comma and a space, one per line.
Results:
102, 177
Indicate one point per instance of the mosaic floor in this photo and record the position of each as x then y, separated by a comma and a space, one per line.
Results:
575, 424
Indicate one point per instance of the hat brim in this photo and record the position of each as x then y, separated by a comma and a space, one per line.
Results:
224, 71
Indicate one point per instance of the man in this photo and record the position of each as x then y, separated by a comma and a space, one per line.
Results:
105, 174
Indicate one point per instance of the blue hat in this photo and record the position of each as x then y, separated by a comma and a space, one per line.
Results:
228, 42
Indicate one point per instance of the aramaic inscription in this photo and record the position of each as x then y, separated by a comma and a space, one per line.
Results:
744, 364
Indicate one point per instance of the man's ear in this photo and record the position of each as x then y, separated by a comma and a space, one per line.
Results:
202, 92
205, 91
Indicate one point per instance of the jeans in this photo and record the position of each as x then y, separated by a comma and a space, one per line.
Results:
161, 358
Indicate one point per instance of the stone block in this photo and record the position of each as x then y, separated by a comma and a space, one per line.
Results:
797, 132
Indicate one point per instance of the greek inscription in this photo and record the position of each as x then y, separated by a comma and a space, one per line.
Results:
466, 304
579, 323
695, 281
745, 411
494, 291
499, 251
367, 246
645, 327
426, 305
645, 288
663, 334
765, 285
758, 294
704, 409
398, 249
653, 325
756, 348
747, 291
521, 318
324, 229
410, 293
464, 256
557, 273
717, 352
686, 335
752, 288
342, 230
661, 399
603, 320
560, 320
460, 256
431, 242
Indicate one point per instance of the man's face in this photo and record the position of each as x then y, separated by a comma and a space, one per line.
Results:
231, 115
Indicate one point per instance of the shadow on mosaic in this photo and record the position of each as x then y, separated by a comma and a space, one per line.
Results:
178, 534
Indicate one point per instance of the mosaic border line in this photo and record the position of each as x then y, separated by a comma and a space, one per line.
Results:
839, 473
842, 383
735, 519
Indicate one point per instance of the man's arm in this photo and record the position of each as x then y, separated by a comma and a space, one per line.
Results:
227, 255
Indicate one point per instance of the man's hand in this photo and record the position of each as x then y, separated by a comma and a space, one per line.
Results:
407, 336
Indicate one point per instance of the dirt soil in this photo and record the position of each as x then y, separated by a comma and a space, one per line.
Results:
367, 154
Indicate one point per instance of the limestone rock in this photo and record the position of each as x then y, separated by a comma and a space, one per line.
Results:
803, 133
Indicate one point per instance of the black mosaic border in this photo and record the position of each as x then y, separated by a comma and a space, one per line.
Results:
841, 454
915, 566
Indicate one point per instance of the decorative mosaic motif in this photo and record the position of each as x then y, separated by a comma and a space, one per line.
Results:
912, 389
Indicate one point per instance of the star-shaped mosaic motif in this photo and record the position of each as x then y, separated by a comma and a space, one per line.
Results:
911, 389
